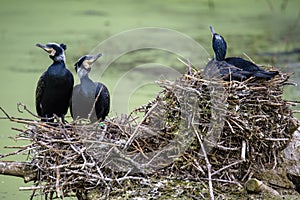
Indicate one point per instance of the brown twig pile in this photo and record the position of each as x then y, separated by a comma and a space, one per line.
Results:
198, 129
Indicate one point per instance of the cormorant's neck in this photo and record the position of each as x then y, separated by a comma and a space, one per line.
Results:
59, 58
85, 78
220, 47
88, 87
83, 75
219, 57
60, 63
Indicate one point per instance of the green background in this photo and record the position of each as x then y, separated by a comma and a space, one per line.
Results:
251, 27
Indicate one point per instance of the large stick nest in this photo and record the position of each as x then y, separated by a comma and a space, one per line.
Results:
198, 128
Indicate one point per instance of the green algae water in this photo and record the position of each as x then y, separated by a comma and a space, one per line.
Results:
250, 27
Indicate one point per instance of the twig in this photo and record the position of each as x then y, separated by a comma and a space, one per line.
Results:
57, 185
129, 141
5, 113
25, 108
31, 188
227, 166
208, 165
243, 151
223, 181
94, 104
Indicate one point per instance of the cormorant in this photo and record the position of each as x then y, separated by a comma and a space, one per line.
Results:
91, 100
240, 68
54, 88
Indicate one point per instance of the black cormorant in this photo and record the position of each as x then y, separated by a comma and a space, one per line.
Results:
54, 88
240, 68
91, 100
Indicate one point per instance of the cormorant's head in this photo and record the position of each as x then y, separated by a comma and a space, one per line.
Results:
56, 51
219, 45
83, 65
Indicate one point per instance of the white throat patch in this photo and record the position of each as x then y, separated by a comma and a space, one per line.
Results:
218, 37
82, 72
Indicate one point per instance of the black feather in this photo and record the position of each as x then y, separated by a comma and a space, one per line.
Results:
62, 45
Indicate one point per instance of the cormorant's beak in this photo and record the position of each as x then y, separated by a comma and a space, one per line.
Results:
50, 51
91, 59
212, 30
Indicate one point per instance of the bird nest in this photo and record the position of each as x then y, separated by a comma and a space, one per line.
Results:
200, 133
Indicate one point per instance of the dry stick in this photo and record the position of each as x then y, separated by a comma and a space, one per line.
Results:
229, 125
227, 148
14, 153
277, 139
5, 113
275, 160
186, 64
99, 172
94, 105
31, 113
57, 185
19, 147
227, 166
106, 156
248, 57
243, 151
131, 178
129, 141
211, 189
32, 188
223, 181
25, 108
139, 149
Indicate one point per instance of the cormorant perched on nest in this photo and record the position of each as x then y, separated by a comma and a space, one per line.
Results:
235, 68
91, 100
54, 88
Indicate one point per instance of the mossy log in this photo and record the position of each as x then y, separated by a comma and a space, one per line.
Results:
256, 186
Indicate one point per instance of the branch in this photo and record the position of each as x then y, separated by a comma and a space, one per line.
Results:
208, 165
19, 169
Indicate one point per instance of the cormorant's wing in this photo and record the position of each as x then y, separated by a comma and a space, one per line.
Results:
39, 93
265, 74
243, 64
74, 96
103, 102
